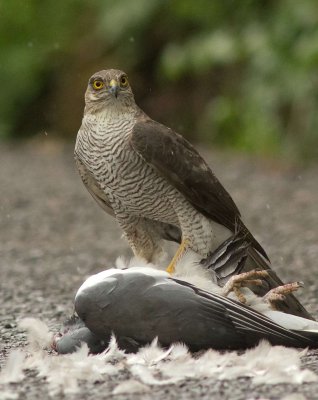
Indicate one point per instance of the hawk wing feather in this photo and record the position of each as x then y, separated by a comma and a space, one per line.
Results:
177, 160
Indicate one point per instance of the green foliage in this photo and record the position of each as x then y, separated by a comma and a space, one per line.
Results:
240, 73
32, 34
273, 48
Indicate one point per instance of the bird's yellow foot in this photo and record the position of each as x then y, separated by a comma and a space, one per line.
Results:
246, 278
179, 253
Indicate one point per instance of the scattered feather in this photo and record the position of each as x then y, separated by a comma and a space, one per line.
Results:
294, 396
179, 351
150, 354
113, 352
13, 371
80, 366
150, 376
131, 386
39, 335
153, 365
8, 395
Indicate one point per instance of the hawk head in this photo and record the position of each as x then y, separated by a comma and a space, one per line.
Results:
108, 88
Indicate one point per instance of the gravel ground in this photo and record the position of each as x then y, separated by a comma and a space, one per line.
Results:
53, 235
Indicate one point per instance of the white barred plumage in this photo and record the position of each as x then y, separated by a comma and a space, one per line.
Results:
136, 193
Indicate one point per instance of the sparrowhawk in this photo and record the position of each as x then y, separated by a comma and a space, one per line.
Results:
158, 186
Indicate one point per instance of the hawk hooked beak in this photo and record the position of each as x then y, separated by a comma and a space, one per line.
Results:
113, 87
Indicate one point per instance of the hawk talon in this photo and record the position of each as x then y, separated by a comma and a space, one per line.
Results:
273, 297
252, 282
279, 293
242, 280
239, 295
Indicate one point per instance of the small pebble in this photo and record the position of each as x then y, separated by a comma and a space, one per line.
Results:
9, 325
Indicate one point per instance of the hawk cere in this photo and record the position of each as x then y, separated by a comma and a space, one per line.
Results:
158, 187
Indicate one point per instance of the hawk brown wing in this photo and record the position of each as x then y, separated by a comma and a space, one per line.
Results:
178, 161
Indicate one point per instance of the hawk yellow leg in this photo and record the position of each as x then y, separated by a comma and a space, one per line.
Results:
179, 253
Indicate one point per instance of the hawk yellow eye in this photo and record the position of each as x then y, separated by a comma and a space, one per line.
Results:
124, 81
97, 85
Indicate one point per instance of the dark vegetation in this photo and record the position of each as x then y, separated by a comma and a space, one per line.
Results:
233, 73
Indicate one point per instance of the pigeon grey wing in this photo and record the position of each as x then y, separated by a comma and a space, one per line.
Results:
252, 323
178, 161
141, 307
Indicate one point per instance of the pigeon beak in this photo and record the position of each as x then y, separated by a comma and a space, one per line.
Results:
113, 87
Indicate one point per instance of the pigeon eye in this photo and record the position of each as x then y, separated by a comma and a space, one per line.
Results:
97, 85
124, 81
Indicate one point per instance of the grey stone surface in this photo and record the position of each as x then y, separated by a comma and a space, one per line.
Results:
53, 235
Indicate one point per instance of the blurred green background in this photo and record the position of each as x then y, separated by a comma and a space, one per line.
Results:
229, 73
